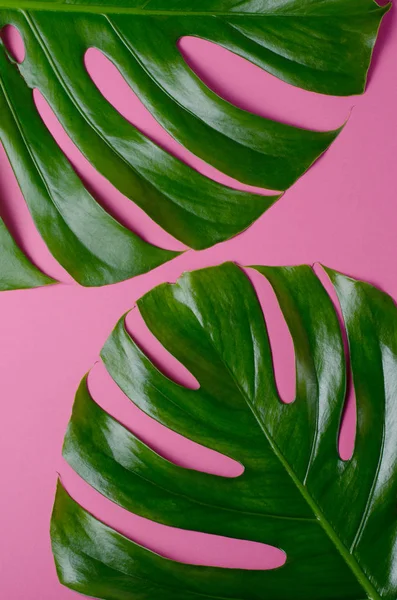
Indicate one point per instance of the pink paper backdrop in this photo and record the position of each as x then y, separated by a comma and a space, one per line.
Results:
342, 213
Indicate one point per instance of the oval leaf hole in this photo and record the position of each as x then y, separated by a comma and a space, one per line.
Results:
281, 343
120, 95
189, 547
14, 43
159, 356
259, 92
172, 446
124, 210
347, 432
19, 222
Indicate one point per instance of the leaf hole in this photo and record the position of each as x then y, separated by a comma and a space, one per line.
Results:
258, 91
185, 546
167, 443
347, 431
281, 344
157, 353
115, 89
13, 42
17, 218
114, 202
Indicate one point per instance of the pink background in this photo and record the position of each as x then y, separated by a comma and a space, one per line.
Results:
342, 213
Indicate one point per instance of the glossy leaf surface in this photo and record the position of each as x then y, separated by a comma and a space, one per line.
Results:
16, 270
322, 46
334, 519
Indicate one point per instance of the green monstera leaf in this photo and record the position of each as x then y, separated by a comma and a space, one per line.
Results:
16, 271
321, 45
335, 520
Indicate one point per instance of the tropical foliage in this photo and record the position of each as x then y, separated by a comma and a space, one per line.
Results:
320, 45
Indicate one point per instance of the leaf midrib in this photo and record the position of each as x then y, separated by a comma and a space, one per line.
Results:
330, 532
327, 527
102, 9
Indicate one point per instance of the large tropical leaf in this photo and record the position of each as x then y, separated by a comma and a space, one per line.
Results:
322, 45
336, 520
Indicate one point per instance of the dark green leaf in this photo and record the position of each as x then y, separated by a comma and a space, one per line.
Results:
321, 45
335, 520
85, 239
16, 271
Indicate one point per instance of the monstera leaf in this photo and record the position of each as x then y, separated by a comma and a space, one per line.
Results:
336, 520
321, 45
16, 271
